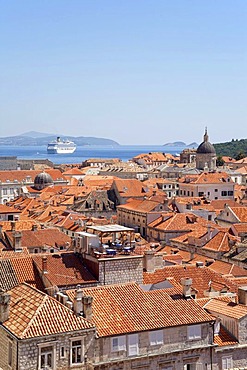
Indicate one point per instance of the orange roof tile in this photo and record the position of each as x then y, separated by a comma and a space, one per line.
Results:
202, 277
34, 314
225, 268
64, 269
126, 308
230, 309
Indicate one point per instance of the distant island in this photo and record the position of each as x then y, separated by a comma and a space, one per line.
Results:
34, 138
181, 144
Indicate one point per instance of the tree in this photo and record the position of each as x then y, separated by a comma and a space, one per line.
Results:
219, 161
240, 155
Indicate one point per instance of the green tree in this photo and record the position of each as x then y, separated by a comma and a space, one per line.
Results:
240, 155
219, 161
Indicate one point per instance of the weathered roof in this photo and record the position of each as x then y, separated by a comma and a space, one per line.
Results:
35, 314
127, 308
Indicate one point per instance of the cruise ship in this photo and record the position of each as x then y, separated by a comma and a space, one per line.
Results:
59, 146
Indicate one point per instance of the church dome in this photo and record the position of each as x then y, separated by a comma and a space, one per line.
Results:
42, 180
206, 147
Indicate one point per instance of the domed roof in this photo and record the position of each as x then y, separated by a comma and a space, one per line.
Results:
42, 180
206, 147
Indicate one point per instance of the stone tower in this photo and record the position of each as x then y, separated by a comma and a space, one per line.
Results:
206, 155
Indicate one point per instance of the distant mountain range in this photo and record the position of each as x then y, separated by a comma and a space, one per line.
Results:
38, 138
181, 144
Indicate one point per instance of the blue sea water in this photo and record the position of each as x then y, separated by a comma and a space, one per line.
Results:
123, 152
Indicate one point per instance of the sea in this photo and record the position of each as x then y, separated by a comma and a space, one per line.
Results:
123, 152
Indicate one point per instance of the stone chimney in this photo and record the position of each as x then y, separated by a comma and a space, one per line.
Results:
78, 308
17, 235
87, 307
4, 306
186, 284
44, 265
149, 263
242, 295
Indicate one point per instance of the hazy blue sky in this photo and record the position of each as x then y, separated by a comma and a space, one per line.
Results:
136, 71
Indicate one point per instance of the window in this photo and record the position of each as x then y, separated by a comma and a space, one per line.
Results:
230, 192
224, 193
227, 362
191, 366
62, 352
76, 351
4, 191
156, 337
118, 344
133, 346
209, 217
194, 332
10, 353
11, 190
200, 194
46, 356
215, 190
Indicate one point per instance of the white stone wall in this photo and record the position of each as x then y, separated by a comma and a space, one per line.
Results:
121, 270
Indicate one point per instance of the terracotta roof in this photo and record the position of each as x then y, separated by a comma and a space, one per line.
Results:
27, 272
19, 225
49, 237
202, 277
7, 209
73, 171
178, 222
224, 338
34, 314
230, 309
21, 175
64, 269
207, 178
239, 228
225, 268
241, 213
240, 281
140, 205
219, 204
220, 242
126, 308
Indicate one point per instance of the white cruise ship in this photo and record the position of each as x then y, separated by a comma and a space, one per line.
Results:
61, 147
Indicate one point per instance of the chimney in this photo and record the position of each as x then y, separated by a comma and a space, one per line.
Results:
34, 227
186, 284
78, 301
87, 307
17, 240
242, 295
12, 225
149, 256
44, 265
4, 306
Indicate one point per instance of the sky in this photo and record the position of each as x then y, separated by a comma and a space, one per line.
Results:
141, 72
